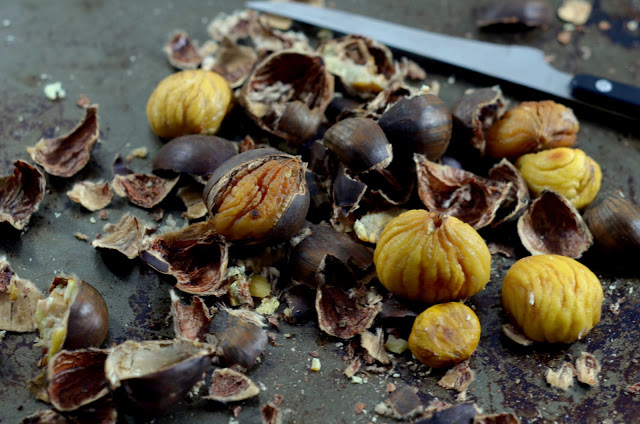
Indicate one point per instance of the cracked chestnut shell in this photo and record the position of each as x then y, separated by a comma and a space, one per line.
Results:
421, 124
150, 377
258, 196
74, 316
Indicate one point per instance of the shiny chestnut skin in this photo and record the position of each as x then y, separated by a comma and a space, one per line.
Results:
194, 154
614, 223
276, 221
88, 319
421, 124
359, 143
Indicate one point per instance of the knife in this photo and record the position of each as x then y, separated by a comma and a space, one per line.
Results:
521, 65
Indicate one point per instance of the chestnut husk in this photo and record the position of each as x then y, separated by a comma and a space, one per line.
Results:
301, 77
297, 204
552, 225
421, 124
190, 322
21, 194
468, 197
308, 258
240, 335
194, 154
84, 317
228, 385
473, 115
196, 256
76, 378
150, 377
360, 144
615, 223
67, 154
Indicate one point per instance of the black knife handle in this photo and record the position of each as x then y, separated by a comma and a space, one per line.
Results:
606, 94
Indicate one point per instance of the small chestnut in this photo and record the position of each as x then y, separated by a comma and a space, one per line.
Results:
614, 223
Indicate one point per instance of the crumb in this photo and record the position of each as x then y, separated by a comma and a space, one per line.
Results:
359, 407
564, 37
315, 365
92, 220
104, 215
390, 387
54, 91
604, 25
81, 236
83, 101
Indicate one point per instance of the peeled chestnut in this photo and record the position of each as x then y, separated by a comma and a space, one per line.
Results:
150, 377
614, 222
360, 144
420, 124
194, 154
74, 316
258, 196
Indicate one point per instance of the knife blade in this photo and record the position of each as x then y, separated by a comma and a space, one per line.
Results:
521, 65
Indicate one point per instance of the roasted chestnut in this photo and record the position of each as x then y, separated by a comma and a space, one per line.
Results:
240, 335
194, 154
74, 316
614, 222
360, 144
258, 196
150, 377
420, 124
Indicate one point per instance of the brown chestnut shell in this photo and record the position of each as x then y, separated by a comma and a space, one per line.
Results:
150, 377
472, 199
614, 222
552, 225
228, 385
18, 300
283, 77
190, 322
194, 154
518, 196
240, 335
76, 378
345, 314
421, 124
182, 52
125, 237
21, 194
283, 216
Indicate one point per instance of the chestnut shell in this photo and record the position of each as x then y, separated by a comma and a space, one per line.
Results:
194, 154
614, 222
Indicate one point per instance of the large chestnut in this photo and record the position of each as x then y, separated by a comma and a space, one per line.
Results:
258, 196
421, 124
150, 377
74, 316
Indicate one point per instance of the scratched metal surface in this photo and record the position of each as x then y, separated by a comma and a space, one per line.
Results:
111, 51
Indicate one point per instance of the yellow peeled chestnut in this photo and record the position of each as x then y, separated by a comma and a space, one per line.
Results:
445, 334
431, 257
552, 298
567, 171
189, 102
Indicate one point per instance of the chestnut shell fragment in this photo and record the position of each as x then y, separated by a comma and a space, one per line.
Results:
21, 194
518, 195
472, 199
196, 256
150, 377
342, 314
190, 322
144, 190
194, 154
18, 300
281, 78
125, 237
552, 225
181, 51
64, 156
241, 337
76, 378
228, 385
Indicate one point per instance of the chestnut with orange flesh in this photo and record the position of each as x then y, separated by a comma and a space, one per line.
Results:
74, 316
431, 257
76, 378
150, 377
258, 196
530, 127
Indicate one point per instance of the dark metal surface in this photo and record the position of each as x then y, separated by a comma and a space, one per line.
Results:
111, 51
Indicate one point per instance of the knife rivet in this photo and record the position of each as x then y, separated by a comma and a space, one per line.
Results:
604, 86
